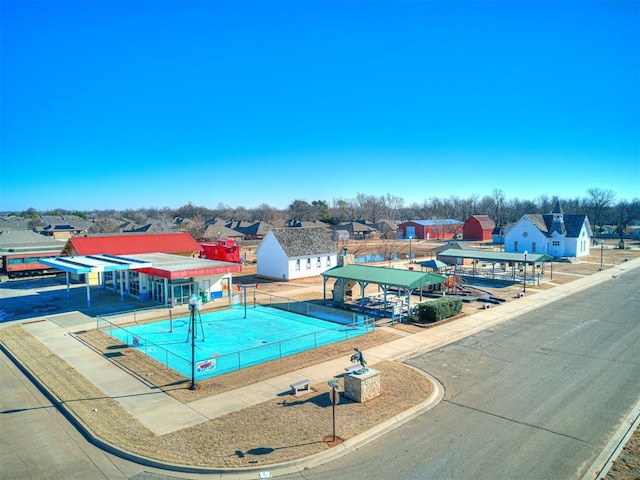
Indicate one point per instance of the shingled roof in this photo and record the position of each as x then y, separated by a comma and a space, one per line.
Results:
12, 242
303, 241
571, 225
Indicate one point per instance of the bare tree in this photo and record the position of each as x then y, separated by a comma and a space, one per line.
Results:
499, 206
598, 201
393, 204
105, 225
354, 247
390, 249
136, 216
349, 210
266, 213
301, 210
372, 208
195, 226
544, 204
622, 218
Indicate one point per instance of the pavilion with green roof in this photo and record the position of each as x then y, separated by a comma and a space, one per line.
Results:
404, 282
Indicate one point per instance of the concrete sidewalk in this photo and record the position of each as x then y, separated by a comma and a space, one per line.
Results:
162, 414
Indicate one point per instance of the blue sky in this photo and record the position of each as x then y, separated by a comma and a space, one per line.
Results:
130, 104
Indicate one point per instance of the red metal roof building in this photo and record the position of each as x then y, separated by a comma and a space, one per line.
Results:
128, 244
175, 271
430, 229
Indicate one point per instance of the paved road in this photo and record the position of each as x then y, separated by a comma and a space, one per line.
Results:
537, 397
37, 442
26, 298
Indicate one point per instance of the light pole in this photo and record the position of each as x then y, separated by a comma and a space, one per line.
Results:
601, 255
524, 282
410, 256
193, 302
334, 399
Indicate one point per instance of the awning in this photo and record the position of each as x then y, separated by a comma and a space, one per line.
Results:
435, 264
94, 263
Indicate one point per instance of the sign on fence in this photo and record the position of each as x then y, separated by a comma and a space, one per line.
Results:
206, 365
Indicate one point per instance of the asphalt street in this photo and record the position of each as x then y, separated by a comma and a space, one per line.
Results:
37, 440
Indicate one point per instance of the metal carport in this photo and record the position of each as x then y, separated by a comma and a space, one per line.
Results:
512, 258
79, 265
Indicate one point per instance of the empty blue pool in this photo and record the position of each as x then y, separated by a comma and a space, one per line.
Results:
226, 341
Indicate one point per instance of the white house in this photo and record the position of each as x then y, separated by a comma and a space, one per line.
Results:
289, 253
556, 234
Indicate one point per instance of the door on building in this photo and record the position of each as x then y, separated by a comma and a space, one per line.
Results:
182, 292
157, 292
410, 232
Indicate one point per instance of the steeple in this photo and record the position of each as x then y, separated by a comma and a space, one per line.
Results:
557, 225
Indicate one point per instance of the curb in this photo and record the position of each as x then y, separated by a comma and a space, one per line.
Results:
291, 466
360, 440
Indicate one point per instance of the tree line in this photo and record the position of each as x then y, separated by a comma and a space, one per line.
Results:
599, 204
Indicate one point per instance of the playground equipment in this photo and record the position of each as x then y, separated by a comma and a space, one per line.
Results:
244, 287
456, 286
453, 282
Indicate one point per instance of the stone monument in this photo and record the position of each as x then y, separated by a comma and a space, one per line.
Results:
363, 384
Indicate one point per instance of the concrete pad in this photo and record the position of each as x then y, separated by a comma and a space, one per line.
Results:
257, 392
150, 406
153, 411
217, 405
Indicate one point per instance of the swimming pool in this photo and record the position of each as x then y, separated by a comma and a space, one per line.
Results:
226, 341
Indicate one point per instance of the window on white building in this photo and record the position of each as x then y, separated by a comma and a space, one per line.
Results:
308, 264
328, 261
319, 263
298, 264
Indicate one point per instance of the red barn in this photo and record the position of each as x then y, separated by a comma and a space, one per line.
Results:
225, 250
478, 227
427, 229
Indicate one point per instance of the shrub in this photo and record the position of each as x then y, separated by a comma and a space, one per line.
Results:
439, 309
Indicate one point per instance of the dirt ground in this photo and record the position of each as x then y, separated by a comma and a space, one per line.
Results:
627, 465
284, 428
255, 435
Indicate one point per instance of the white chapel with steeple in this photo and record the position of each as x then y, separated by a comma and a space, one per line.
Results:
556, 234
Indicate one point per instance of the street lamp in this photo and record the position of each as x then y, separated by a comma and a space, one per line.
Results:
410, 256
334, 399
601, 255
524, 288
193, 302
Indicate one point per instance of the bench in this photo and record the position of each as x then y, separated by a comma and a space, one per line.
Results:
352, 368
301, 385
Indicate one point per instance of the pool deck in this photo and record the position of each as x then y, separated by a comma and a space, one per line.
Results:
162, 414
